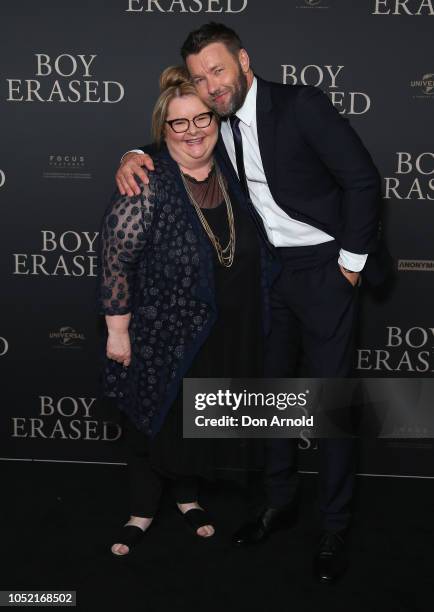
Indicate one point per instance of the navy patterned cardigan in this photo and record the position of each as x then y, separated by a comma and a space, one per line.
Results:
156, 262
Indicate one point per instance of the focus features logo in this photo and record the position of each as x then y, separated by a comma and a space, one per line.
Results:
67, 254
186, 6
326, 77
415, 177
406, 350
425, 85
4, 346
403, 7
2, 178
67, 337
66, 418
67, 166
64, 78
66, 161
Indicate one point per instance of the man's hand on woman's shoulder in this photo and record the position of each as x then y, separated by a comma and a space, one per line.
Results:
131, 164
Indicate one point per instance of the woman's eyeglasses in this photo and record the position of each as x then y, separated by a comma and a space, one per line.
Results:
200, 121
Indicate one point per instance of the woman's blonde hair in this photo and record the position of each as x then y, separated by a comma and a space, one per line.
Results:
174, 83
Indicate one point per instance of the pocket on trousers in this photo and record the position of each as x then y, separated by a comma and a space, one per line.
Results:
341, 278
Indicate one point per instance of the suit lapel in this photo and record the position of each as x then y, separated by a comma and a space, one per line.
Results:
266, 124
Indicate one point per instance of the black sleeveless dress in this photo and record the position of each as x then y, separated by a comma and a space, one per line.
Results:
234, 348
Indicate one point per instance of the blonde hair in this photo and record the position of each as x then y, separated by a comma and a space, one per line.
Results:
174, 83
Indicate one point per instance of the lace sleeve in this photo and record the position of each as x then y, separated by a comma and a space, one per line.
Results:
123, 239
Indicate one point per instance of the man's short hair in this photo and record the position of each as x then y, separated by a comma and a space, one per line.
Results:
211, 32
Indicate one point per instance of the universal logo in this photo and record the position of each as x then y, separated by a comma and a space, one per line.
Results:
67, 166
415, 265
415, 177
4, 346
326, 77
67, 337
65, 418
425, 85
405, 350
403, 7
64, 78
67, 253
2, 178
186, 6
313, 4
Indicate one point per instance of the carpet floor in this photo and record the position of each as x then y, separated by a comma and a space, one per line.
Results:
59, 521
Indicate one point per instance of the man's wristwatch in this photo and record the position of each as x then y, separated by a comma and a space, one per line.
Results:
349, 271
359, 280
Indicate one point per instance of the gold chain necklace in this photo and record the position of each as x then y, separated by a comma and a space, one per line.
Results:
225, 255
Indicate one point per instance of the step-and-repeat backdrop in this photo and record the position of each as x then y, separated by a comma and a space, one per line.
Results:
77, 86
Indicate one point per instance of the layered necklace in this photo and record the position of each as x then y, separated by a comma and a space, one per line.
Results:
225, 254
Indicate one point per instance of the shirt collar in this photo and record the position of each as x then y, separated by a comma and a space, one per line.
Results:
248, 110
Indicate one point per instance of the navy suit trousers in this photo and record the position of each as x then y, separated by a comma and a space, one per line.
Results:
314, 311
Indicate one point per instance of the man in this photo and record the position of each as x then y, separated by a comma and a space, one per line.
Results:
314, 193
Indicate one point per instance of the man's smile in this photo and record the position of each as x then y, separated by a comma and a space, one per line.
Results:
221, 96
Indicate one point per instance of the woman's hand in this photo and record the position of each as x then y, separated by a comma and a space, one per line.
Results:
119, 346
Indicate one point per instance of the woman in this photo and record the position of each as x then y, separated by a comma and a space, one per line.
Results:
183, 277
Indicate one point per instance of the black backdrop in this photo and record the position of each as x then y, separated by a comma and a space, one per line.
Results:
78, 82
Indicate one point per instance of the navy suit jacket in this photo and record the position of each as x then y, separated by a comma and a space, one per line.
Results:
317, 168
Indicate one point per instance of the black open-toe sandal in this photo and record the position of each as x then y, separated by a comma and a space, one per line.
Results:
129, 535
196, 518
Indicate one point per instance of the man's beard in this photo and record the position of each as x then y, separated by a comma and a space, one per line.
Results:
237, 99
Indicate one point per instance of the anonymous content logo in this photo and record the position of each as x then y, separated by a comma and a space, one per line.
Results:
65, 418
4, 346
406, 350
69, 253
67, 337
66, 166
403, 7
414, 178
425, 86
65, 78
415, 265
2, 178
327, 77
186, 6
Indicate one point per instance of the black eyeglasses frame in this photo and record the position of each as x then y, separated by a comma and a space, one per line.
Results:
171, 121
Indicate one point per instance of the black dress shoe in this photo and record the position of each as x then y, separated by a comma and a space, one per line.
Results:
331, 560
270, 519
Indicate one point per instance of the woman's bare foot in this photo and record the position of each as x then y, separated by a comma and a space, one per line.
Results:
207, 530
137, 521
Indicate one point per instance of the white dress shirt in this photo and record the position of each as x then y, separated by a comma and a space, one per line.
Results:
282, 230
